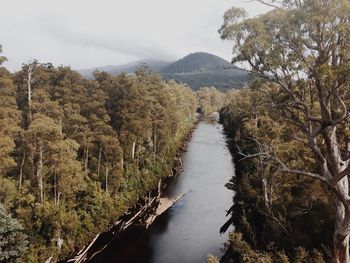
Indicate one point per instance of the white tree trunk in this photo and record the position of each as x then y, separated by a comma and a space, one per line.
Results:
342, 225
106, 182
99, 162
29, 87
133, 150
39, 175
86, 162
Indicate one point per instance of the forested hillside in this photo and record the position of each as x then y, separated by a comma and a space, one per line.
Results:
129, 68
197, 70
291, 133
76, 153
202, 69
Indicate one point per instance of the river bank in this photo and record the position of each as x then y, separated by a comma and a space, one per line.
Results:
189, 230
274, 221
142, 214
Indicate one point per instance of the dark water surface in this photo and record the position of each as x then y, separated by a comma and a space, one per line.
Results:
188, 231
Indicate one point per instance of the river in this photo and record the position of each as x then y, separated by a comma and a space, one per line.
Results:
189, 230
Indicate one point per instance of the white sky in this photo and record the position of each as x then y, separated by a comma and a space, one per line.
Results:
90, 33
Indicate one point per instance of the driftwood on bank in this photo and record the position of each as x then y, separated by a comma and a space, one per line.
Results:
80, 256
164, 204
153, 208
144, 213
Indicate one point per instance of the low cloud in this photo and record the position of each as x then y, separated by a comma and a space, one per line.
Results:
94, 33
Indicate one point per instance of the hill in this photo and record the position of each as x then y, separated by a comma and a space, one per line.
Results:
198, 70
197, 62
154, 64
203, 69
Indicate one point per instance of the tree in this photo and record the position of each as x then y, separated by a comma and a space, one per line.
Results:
66, 170
43, 134
301, 50
54, 125
13, 242
32, 77
112, 154
2, 58
210, 99
9, 121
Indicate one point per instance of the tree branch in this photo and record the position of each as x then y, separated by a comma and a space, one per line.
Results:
265, 3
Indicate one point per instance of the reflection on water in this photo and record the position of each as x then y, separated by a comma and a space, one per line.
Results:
189, 230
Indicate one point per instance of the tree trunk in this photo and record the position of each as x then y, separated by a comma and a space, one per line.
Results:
106, 182
29, 80
21, 171
39, 175
341, 244
341, 252
86, 162
265, 191
55, 188
154, 140
133, 150
99, 162
342, 224
31, 156
342, 221
61, 126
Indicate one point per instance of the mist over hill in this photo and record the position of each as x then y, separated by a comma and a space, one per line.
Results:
197, 70
129, 68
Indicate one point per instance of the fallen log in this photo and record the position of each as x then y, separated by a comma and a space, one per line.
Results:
80, 257
143, 213
140, 213
164, 204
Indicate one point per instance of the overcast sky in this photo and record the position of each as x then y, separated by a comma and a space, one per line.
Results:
90, 33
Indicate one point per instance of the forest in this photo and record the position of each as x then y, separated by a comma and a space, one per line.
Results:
290, 133
77, 153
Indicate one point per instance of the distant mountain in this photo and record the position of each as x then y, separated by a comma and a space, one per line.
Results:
203, 69
154, 64
198, 70
198, 62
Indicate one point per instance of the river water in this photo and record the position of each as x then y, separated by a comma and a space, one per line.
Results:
189, 230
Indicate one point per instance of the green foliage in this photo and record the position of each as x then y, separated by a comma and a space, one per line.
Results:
197, 70
67, 171
212, 259
9, 121
210, 100
202, 69
273, 210
296, 127
244, 252
13, 242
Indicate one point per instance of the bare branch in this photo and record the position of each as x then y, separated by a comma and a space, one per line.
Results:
340, 176
345, 110
283, 167
265, 3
